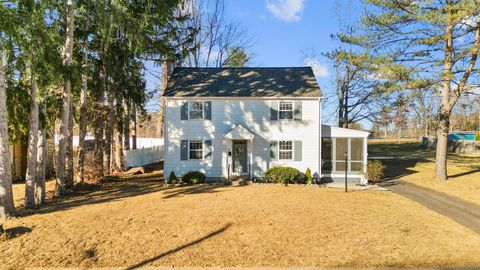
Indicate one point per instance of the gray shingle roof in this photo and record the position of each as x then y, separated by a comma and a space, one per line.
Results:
243, 82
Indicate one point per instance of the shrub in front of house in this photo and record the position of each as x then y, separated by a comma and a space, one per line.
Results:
172, 178
283, 175
194, 178
308, 177
375, 170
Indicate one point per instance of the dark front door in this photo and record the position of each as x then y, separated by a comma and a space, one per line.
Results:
240, 157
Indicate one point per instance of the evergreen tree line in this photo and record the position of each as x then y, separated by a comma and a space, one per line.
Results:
76, 62
80, 65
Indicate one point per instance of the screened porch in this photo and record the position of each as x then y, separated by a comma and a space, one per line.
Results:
343, 149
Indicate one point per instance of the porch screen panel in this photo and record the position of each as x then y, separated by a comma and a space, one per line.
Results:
356, 154
327, 150
341, 147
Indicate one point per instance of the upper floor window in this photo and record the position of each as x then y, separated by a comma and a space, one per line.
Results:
195, 110
196, 150
286, 110
285, 150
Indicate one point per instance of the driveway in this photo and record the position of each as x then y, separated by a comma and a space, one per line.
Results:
462, 212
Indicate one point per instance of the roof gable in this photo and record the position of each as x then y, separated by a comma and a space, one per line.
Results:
243, 82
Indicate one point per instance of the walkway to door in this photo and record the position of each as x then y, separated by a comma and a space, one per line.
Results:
462, 212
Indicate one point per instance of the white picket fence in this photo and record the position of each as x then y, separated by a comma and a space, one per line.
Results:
143, 156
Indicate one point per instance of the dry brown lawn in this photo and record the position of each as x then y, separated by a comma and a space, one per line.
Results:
417, 165
137, 222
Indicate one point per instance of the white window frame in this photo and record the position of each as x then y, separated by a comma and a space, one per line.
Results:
292, 150
191, 110
280, 110
202, 150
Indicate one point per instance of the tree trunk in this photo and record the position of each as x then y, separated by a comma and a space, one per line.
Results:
345, 106
99, 124
340, 112
32, 146
83, 118
119, 136
108, 135
161, 117
167, 69
41, 158
126, 126
442, 146
67, 54
445, 109
6, 195
69, 172
134, 136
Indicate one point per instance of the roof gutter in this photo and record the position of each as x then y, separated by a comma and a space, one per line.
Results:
240, 98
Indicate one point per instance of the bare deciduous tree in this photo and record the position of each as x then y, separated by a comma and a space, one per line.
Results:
214, 38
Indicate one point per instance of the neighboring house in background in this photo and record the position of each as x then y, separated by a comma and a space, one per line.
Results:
243, 121
18, 159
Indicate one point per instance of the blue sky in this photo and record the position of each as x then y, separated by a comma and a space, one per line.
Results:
281, 30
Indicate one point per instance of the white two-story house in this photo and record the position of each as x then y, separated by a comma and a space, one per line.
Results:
242, 121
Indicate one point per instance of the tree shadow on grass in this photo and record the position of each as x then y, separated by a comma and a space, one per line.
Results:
399, 158
197, 189
14, 232
398, 168
171, 251
114, 188
464, 173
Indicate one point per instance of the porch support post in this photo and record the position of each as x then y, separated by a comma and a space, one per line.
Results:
365, 159
251, 160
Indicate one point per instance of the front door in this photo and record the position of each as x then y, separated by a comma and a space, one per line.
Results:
240, 157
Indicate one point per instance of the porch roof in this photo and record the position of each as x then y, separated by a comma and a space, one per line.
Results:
239, 133
329, 131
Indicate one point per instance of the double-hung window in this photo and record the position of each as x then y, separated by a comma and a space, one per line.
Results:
285, 150
285, 110
195, 110
195, 150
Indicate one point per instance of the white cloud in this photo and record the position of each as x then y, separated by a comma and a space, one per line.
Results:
318, 68
286, 10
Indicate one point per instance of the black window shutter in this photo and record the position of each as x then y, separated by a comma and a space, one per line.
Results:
184, 111
207, 110
273, 110
207, 150
297, 106
273, 150
184, 150
298, 151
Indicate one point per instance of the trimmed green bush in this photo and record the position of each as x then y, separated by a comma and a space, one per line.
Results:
194, 178
172, 178
283, 175
477, 137
308, 177
375, 170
